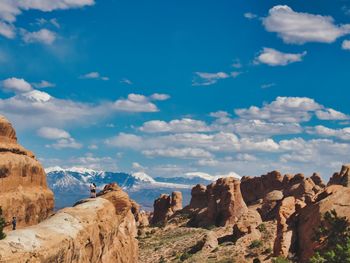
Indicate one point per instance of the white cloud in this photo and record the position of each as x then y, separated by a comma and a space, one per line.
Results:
137, 103
343, 134
45, 110
53, 133
7, 30
268, 85
206, 79
273, 57
299, 28
65, 144
43, 36
10, 9
331, 114
283, 109
126, 81
94, 75
182, 153
159, 96
16, 85
249, 15
183, 125
43, 84
346, 45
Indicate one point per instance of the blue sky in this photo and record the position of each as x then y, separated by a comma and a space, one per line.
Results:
172, 87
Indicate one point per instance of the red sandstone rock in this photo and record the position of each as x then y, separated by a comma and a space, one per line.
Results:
24, 192
341, 178
165, 206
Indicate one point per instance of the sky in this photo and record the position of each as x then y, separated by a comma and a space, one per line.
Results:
174, 87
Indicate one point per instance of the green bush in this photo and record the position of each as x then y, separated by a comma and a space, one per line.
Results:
255, 244
2, 225
333, 237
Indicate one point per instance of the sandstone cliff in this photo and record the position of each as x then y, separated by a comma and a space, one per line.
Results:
24, 192
100, 230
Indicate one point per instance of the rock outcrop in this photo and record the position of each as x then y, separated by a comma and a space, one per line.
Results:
221, 204
100, 230
255, 189
24, 192
165, 206
335, 197
341, 178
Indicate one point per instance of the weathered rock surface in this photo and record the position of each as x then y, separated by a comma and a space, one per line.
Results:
221, 204
100, 230
255, 189
341, 178
165, 206
335, 197
24, 192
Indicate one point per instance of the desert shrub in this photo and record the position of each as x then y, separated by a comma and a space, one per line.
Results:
261, 227
255, 244
210, 227
333, 237
268, 250
162, 260
2, 225
185, 256
280, 260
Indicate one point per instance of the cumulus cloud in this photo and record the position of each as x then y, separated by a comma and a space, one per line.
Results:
299, 28
343, 134
7, 30
16, 85
283, 109
331, 114
66, 144
183, 125
43, 84
139, 103
45, 110
94, 75
206, 79
250, 15
346, 45
53, 133
273, 57
43, 36
10, 9
182, 153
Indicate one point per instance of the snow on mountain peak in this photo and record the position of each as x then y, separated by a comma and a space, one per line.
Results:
80, 170
209, 177
142, 176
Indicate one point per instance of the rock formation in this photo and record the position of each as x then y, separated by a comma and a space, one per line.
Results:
24, 192
221, 204
341, 178
100, 230
335, 197
165, 206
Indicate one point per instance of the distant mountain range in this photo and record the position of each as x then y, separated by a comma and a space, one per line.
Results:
72, 184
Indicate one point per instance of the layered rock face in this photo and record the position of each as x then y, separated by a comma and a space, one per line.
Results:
165, 206
24, 192
220, 204
100, 230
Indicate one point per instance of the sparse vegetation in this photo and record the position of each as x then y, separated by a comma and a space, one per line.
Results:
268, 251
185, 256
333, 237
261, 227
162, 260
2, 225
280, 260
255, 244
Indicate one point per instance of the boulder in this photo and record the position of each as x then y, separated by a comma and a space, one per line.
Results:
198, 197
24, 191
268, 210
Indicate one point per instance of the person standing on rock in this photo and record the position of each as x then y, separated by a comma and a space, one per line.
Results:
93, 190
14, 223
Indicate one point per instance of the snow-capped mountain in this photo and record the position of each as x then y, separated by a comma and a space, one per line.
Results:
72, 184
